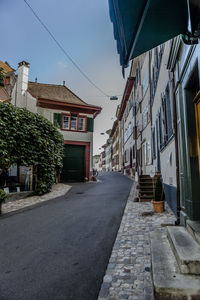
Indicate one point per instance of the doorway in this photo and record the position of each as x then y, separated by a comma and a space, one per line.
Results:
73, 164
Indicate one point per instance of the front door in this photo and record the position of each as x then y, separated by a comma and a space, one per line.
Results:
73, 164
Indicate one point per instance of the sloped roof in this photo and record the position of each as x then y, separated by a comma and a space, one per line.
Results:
4, 97
6, 67
54, 92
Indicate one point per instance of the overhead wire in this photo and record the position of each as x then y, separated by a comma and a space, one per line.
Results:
64, 51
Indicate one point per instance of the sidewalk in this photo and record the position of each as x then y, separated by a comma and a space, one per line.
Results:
58, 190
128, 274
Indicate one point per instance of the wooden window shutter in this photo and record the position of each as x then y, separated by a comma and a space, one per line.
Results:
57, 120
160, 129
90, 124
168, 113
164, 114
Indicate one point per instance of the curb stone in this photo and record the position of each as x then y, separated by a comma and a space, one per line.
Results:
58, 190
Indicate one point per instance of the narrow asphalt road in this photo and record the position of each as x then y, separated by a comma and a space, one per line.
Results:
60, 250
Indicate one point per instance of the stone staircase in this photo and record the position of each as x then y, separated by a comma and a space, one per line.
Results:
146, 187
176, 262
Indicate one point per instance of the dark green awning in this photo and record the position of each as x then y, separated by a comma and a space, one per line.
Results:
140, 25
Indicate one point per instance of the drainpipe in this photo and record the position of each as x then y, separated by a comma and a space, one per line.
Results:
177, 222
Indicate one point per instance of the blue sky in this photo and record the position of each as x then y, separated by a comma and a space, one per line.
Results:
85, 31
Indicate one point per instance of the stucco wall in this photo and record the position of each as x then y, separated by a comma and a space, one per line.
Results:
167, 154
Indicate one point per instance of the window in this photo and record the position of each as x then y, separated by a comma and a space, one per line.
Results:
74, 122
148, 153
154, 143
160, 129
134, 152
126, 155
81, 124
7, 80
167, 115
145, 117
66, 121
158, 52
145, 82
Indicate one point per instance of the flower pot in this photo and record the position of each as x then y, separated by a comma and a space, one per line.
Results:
159, 206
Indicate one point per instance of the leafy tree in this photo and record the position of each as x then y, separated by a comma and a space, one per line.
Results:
29, 139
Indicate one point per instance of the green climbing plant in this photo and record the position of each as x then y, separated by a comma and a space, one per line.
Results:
28, 139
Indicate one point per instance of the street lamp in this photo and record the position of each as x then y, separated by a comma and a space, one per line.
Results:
113, 98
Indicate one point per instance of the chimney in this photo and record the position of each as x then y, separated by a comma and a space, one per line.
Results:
35, 79
22, 82
64, 82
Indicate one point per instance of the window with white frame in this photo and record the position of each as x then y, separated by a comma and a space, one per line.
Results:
74, 122
81, 123
66, 121
148, 153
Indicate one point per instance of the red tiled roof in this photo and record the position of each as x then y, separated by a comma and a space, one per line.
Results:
6, 68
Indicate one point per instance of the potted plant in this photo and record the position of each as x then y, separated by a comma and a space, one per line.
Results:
158, 199
3, 197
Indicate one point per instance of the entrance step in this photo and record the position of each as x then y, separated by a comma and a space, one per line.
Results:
146, 186
186, 250
146, 192
145, 198
169, 283
194, 229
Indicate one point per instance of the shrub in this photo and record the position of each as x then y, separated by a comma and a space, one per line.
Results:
28, 139
158, 191
3, 196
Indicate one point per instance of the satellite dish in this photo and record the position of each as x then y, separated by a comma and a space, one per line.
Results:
113, 98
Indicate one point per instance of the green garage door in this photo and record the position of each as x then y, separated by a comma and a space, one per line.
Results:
73, 163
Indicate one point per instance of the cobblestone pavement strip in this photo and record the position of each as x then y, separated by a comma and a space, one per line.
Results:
128, 274
58, 190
